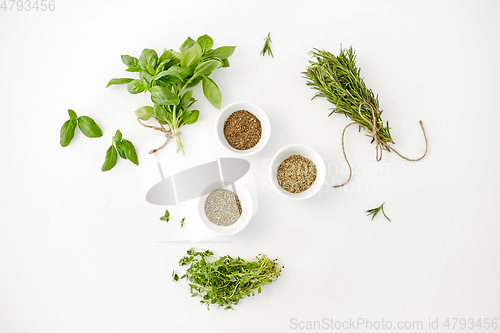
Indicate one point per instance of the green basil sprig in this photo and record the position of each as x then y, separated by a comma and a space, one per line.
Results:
86, 124
168, 76
119, 147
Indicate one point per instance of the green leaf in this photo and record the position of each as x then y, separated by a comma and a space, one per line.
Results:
146, 78
192, 56
148, 57
118, 136
191, 117
121, 149
133, 69
168, 72
151, 70
166, 217
212, 92
225, 63
110, 160
205, 68
180, 72
160, 113
163, 96
194, 82
119, 81
136, 86
166, 55
222, 52
130, 61
186, 97
182, 224
188, 43
72, 114
67, 132
89, 127
206, 43
144, 113
163, 218
130, 152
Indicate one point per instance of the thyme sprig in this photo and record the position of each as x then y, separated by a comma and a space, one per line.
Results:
267, 46
226, 280
373, 212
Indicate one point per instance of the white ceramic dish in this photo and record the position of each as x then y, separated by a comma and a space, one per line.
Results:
246, 212
307, 152
256, 111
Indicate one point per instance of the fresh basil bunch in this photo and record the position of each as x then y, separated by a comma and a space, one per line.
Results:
167, 78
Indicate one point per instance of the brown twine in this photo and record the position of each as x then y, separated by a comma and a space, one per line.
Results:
168, 134
378, 142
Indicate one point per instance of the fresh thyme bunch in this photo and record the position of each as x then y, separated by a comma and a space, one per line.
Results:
338, 80
226, 280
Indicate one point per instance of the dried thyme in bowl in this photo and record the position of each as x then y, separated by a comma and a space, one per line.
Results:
296, 174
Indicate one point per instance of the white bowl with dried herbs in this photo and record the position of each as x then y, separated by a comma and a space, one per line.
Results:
226, 211
242, 128
297, 172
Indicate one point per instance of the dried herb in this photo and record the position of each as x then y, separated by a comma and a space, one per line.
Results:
267, 46
223, 207
338, 80
167, 77
242, 130
373, 212
226, 280
296, 174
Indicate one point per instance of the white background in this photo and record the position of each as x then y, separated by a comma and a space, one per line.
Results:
82, 251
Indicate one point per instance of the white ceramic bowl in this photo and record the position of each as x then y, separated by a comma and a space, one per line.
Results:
256, 111
307, 152
246, 212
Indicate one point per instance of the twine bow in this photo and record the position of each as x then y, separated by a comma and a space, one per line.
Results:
373, 128
168, 134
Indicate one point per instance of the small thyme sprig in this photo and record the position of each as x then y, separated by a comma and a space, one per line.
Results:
267, 46
166, 218
375, 211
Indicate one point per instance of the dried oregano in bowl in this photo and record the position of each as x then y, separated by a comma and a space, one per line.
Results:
338, 80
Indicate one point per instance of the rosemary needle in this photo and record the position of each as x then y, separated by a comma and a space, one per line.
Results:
373, 212
267, 46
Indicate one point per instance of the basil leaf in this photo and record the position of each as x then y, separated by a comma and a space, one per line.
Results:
67, 132
160, 113
194, 82
121, 149
165, 56
192, 56
206, 68
180, 72
148, 57
222, 52
163, 96
72, 114
130, 61
191, 117
118, 136
89, 127
144, 113
110, 160
130, 152
133, 69
136, 86
151, 70
225, 63
188, 43
206, 43
167, 73
212, 92
146, 77
119, 81
186, 97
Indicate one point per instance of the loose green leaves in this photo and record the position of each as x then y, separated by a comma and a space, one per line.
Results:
86, 124
119, 147
212, 92
166, 217
267, 46
373, 212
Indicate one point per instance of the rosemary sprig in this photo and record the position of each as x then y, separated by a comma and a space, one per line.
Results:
267, 46
338, 80
226, 280
373, 212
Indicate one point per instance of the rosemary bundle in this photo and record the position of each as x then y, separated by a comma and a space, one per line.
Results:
338, 80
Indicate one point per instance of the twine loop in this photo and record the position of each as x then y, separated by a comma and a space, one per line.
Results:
168, 134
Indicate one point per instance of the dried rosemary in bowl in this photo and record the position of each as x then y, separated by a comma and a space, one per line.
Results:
338, 80
296, 174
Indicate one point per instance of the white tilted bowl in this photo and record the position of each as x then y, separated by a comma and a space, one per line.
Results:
257, 112
307, 152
